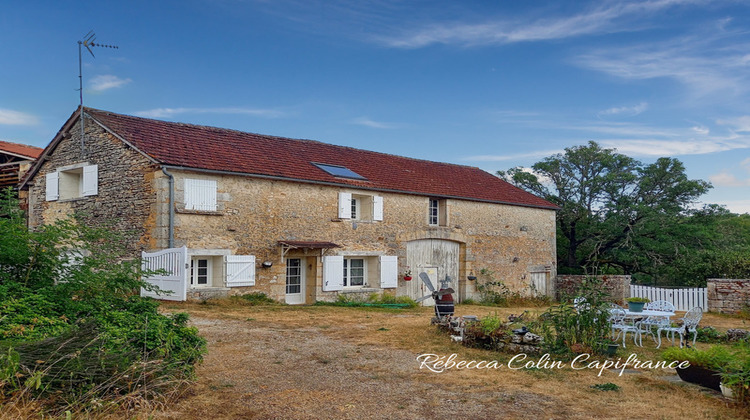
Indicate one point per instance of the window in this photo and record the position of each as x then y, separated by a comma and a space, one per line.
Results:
354, 272
200, 272
339, 171
360, 207
358, 271
76, 182
437, 212
200, 194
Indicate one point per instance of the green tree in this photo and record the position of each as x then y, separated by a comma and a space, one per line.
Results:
617, 214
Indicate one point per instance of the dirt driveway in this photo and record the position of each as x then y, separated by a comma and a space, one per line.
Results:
343, 363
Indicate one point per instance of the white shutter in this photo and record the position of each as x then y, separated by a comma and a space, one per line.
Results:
53, 186
345, 206
333, 273
200, 194
388, 271
90, 180
377, 208
240, 270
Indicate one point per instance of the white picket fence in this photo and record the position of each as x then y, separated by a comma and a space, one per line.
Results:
683, 299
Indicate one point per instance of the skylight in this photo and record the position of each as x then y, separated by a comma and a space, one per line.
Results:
339, 171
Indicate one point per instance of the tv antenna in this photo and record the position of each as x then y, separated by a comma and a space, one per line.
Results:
88, 41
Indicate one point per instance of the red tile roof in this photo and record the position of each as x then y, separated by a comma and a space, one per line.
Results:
218, 149
21, 150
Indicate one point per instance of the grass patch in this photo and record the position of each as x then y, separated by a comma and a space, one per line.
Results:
609, 386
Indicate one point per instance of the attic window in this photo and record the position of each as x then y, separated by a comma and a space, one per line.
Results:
339, 171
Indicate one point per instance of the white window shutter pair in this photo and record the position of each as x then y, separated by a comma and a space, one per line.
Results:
200, 194
240, 270
333, 273
90, 182
53, 186
388, 271
345, 206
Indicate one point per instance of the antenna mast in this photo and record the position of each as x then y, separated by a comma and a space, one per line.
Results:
88, 42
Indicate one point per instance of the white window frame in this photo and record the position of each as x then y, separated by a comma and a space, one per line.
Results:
200, 194
437, 212
347, 271
194, 261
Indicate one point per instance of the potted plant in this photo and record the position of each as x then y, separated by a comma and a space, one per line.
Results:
635, 304
407, 274
705, 365
609, 347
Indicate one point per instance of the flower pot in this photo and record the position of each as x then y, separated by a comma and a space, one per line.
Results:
701, 376
611, 349
407, 278
726, 391
636, 306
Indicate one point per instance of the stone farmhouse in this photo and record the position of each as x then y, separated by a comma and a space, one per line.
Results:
227, 212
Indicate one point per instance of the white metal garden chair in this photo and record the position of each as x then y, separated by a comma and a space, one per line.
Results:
648, 324
620, 324
689, 325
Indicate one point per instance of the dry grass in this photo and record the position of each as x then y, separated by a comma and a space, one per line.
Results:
360, 363
289, 362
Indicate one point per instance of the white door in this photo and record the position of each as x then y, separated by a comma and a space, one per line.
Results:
538, 283
295, 281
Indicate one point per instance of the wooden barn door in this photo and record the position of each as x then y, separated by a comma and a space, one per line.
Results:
438, 258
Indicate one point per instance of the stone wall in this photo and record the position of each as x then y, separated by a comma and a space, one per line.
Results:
618, 286
125, 197
728, 296
254, 214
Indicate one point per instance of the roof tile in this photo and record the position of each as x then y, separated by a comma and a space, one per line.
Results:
218, 149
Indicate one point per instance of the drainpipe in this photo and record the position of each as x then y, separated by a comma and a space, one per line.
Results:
171, 206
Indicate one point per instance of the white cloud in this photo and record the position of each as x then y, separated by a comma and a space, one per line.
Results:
725, 179
673, 148
700, 129
170, 112
603, 19
736, 206
104, 82
629, 111
705, 64
10, 117
738, 124
373, 124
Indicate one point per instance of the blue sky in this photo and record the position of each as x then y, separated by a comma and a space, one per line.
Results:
488, 84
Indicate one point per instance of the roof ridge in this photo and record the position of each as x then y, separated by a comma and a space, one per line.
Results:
271, 136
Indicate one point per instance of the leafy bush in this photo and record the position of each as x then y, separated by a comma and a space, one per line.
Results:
72, 325
567, 329
710, 335
495, 293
